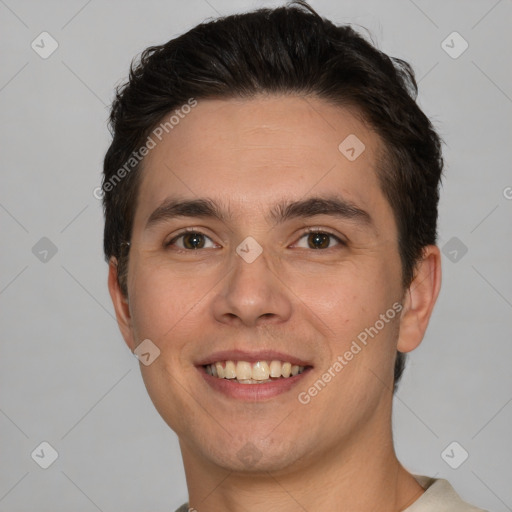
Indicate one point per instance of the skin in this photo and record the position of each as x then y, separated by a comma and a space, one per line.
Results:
336, 452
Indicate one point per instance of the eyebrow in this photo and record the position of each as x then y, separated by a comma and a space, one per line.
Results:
171, 208
334, 206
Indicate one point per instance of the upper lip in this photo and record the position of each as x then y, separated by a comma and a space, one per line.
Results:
251, 357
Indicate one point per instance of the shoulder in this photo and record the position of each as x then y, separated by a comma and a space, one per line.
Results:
439, 496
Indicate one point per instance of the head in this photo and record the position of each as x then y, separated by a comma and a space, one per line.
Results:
251, 123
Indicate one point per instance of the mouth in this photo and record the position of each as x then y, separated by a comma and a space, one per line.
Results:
254, 377
259, 372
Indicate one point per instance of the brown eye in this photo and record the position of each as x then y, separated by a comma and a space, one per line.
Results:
319, 240
192, 240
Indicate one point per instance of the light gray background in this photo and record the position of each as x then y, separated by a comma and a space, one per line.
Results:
66, 376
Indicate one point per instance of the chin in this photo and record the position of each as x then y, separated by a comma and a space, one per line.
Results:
251, 459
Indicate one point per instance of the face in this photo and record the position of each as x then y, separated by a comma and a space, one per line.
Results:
261, 246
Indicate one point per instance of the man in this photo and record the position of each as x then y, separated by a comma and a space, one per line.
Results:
270, 202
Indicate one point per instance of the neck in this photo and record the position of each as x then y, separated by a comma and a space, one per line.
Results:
359, 474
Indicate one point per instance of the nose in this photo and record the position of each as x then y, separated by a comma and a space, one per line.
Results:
252, 294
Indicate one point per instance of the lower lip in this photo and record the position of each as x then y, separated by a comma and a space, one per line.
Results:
252, 392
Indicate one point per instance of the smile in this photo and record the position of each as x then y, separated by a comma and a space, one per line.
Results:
259, 372
252, 376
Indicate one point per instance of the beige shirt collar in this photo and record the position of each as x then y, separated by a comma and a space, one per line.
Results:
439, 496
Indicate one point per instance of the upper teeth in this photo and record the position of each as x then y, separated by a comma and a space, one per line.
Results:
258, 371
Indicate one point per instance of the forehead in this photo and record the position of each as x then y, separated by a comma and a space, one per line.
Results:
254, 152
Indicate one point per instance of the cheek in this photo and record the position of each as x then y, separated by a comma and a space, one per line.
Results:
345, 303
163, 301
348, 294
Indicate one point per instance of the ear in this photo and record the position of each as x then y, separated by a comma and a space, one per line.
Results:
121, 305
419, 299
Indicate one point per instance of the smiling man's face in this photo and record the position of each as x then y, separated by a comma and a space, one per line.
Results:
268, 168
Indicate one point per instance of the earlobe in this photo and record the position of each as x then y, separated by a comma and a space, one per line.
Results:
121, 305
419, 300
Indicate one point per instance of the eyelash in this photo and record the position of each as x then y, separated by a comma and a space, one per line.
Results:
308, 231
